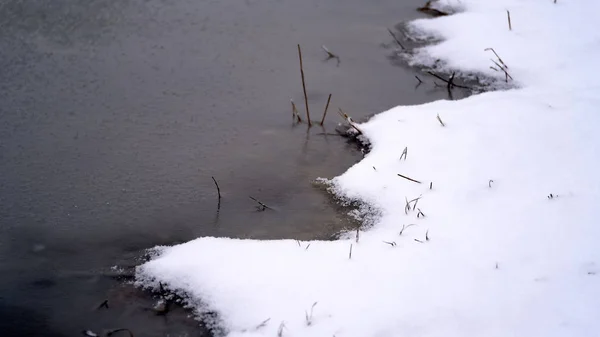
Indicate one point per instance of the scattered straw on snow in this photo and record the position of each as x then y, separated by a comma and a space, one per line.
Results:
519, 258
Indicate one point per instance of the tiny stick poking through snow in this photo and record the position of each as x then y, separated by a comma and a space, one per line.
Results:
405, 227
509, 24
440, 120
262, 324
404, 153
309, 317
280, 329
407, 178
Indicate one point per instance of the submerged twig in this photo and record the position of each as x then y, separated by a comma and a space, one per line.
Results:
262, 205
395, 38
447, 81
350, 253
304, 86
451, 81
509, 24
393, 244
104, 304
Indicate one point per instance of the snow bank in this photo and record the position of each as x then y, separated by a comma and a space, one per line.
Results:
508, 244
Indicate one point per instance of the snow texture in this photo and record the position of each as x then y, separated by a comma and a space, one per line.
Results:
509, 241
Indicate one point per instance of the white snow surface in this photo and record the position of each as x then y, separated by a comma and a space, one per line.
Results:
505, 260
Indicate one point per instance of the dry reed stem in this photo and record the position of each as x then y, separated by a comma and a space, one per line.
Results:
325, 112
304, 86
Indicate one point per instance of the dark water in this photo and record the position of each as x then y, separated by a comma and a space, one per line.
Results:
114, 115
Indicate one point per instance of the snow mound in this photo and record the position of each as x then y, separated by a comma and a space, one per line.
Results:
503, 238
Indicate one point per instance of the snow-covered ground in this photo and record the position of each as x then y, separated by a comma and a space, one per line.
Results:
509, 244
